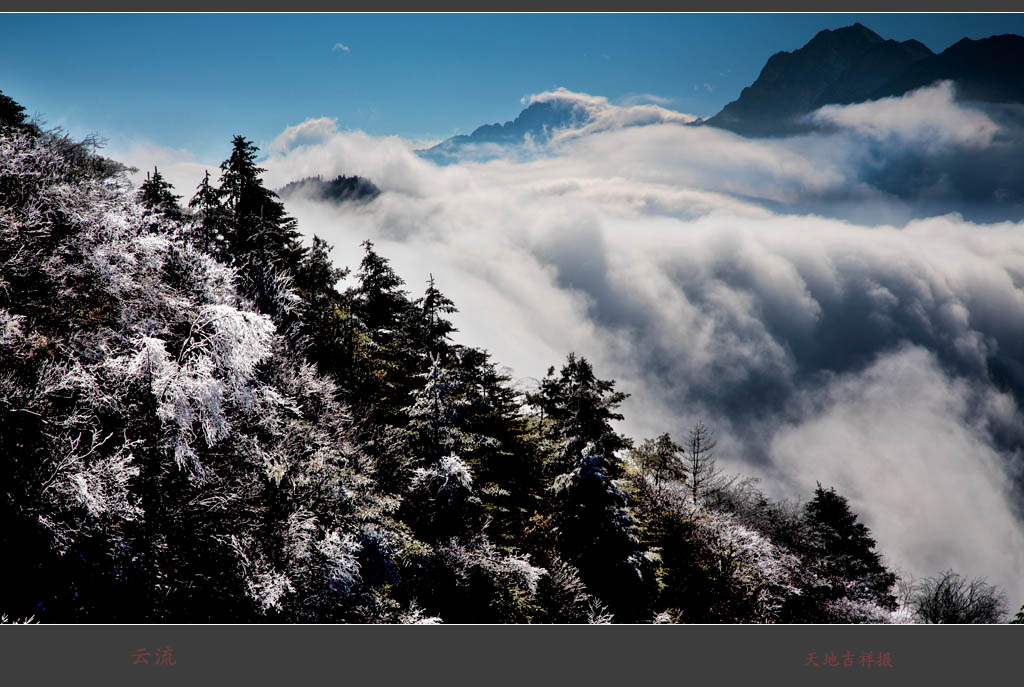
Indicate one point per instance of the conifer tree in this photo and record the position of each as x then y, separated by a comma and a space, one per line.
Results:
211, 220
378, 299
704, 478
592, 526
323, 312
845, 552
437, 329
381, 339
260, 228
11, 113
156, 194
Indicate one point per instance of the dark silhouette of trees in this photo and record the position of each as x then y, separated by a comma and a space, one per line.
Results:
437, 328
156, 194
952, 598
210, 225
11, 113
844, 551
592, 526
260, 229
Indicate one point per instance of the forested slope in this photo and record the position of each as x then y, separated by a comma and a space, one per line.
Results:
198, 425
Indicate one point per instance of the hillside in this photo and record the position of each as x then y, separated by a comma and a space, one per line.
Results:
198, 425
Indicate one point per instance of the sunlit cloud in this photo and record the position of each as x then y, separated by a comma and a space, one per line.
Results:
928, 117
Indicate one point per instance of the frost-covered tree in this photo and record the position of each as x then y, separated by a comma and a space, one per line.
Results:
167, 454
590, 522
565, 599
439, 419
441, 502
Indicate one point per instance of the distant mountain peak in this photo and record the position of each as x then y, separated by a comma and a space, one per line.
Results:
853, 34
854, 64
836, 66
537, 122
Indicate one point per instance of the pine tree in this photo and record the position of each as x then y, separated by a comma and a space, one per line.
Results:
323, 311
704, 479
260, 228
378, 299
508, 465
381, 340
11, 113
156, 194
211, 219
581, 408
844, 551
437, 329
592, 527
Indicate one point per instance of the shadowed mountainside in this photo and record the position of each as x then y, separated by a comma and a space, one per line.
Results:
854, 64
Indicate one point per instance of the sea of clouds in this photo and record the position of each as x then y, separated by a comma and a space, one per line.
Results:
844, 307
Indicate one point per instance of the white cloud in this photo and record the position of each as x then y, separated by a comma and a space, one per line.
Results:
928, 117
603, 116
340, 46
178, 166
908, 446
644, 99
310, 132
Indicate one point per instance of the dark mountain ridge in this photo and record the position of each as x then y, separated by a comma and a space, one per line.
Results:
987, 70
854, 64
841, 66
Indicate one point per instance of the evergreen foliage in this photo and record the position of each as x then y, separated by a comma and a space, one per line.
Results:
211, 219
11, 113
844, 554
155, 193
260, 230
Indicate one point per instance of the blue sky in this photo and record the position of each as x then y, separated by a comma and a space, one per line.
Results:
191, 81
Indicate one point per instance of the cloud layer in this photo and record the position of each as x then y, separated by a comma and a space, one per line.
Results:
805, 295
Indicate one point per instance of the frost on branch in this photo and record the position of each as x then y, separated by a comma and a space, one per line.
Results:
211, 372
